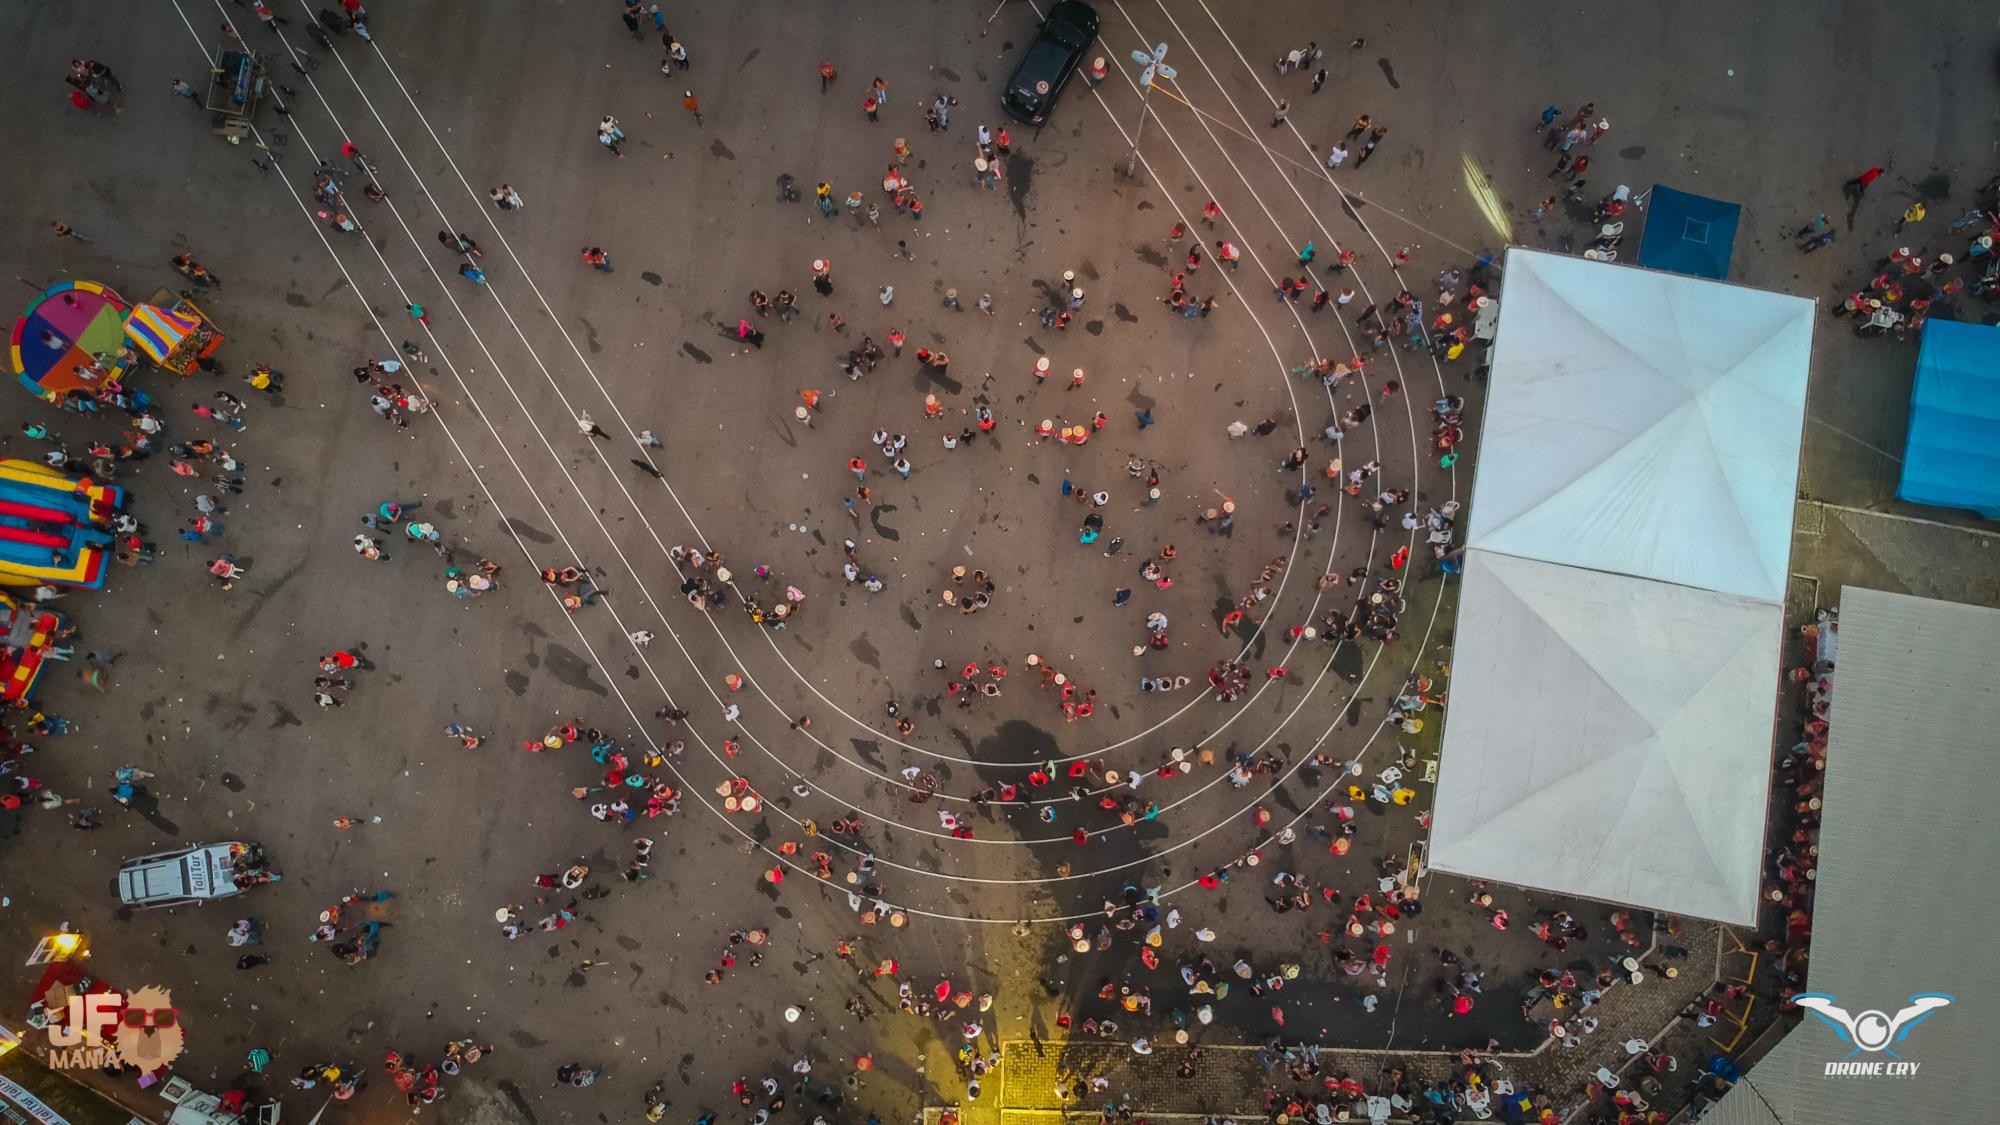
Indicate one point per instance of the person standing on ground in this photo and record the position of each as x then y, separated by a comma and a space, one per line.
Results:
693, 106
99, 71
576, 1074
1278, 114
631, 17
596, 258
1859, 184
826, 76
64, 230
586, 426
182, 89
1361, 125
1319, 80
1375, 136
460, 244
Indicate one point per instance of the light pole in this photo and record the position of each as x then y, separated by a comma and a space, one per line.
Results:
1154, 68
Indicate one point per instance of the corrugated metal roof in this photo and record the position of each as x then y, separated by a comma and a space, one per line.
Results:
1908, 844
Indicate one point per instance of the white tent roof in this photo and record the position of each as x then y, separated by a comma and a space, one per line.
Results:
1628, 553
1608, 737
1643, 423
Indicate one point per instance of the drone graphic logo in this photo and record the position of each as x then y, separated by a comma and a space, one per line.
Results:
1873, 1030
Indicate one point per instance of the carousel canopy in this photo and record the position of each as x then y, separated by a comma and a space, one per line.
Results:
64, 329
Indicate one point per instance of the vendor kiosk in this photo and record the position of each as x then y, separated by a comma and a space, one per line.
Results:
173, 332
235, 85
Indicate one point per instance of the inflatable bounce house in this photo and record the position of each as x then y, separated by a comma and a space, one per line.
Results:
54, 529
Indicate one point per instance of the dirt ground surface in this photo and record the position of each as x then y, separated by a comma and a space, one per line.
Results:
212, 686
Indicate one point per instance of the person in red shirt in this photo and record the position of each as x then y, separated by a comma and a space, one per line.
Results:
1854, 187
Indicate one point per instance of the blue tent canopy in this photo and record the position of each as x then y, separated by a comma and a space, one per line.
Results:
1951, 459
1688, 234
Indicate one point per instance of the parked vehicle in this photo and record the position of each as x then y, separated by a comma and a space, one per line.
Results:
1051, 59
192, 875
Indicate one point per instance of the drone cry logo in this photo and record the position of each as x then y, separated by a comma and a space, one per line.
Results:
1872, 1032
148, 1032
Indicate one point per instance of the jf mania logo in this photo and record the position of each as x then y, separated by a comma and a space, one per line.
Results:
148, 1033
1872, 1032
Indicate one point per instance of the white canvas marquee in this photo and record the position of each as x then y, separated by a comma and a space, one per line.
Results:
1627, 554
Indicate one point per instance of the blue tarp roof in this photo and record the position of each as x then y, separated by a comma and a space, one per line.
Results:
1688, 234
1952, 459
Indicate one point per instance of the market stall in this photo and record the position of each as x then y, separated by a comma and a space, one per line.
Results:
173, 333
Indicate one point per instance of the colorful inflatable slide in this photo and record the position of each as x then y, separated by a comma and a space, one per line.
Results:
54, 529
27, 632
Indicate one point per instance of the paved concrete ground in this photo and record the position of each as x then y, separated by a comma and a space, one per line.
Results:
213, 693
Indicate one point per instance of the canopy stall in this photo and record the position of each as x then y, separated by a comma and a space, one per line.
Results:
173, 332
1952, 459
1688, 234
1627, 558
157, 331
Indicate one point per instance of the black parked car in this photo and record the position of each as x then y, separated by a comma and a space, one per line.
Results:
1054, 55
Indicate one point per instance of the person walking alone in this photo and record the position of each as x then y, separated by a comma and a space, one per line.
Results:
1375, 136
1859, 184
693, 106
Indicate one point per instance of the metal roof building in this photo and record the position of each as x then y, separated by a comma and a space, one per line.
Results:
1908, 842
